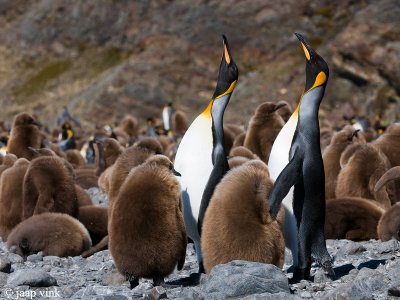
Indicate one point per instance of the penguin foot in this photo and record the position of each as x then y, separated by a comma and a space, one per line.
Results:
193, 279
133, 280
299, 274
158, 280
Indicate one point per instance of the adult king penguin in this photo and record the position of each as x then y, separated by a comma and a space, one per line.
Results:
200, 158
296, 164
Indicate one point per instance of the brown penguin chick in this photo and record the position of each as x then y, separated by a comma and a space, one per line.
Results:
239, 140
41, 152
65, 236
130, 126
82, 196
11, 182
389, 224
95, 219
107, 151
331, 157
242, 151
229, 137
352, 218
236, 161
147, 235
86, 177
263, 128
348, 153
49, 186
75, 158
237, 223
165, 141
389, 143
130, 158
361, 173
54, 147
325, 137
286, 111
8, 161
24, 133
393, 190
170, 151
151, 144
179, 122
236, 129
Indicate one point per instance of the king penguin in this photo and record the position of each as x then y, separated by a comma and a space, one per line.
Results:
200, 158
296, 164
167, 117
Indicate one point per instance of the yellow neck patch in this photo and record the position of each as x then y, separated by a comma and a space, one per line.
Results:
229, 90
207, 111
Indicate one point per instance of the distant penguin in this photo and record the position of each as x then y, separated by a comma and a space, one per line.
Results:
167, 112
237, 224
201, 157
49, 187
331, 157
95, 219
296, 164
389, 224
263, 128
53, 233
361, 173
11, 201
352, 218
146, 231
66, 139
25, 133
130, 126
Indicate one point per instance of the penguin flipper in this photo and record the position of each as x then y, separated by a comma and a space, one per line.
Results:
286, 179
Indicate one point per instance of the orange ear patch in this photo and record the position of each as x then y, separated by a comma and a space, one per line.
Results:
320, 80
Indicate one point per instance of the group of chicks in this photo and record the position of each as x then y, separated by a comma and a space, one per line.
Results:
44, 205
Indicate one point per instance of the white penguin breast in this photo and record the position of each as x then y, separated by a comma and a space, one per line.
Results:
279, 156
193, 160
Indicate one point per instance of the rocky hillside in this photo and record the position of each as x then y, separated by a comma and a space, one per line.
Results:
106, 58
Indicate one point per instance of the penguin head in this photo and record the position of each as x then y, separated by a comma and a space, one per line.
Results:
25, 119
317, 71
228, 72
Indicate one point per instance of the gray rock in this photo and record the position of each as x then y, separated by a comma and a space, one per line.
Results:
34, 258
33, 278
268, 296
350, 248
388, 246
243, 278
5, 264
320, 276
3, 279
15, 258
366, 284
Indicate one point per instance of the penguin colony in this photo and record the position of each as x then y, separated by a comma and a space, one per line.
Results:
216, 183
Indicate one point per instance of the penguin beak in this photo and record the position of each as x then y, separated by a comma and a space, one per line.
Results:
33, 150
175, 172
279, 105
308, 50
355, 132
227, 54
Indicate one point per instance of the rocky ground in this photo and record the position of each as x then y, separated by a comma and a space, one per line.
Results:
365, 270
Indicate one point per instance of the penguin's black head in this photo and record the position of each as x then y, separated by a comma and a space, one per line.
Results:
228, 72
317, 71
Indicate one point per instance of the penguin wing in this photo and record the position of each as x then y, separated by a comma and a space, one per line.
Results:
286, 179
